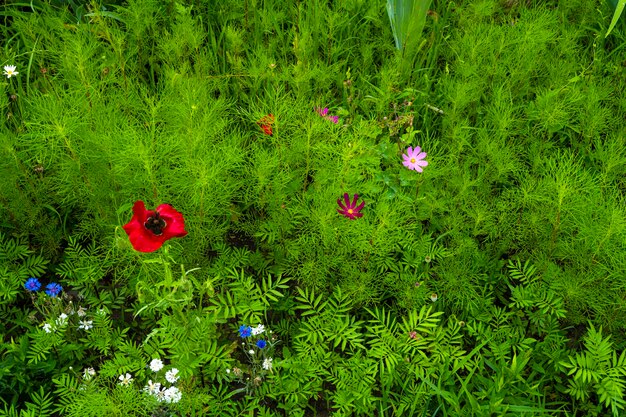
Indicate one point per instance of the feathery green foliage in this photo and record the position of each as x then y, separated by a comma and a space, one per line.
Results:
472, 288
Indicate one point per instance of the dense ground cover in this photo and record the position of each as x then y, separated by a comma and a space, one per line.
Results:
488, 282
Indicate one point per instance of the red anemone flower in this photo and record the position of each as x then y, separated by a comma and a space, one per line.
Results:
266, 123
149, 229
350, 210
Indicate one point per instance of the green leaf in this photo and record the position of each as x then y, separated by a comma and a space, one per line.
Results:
618, 12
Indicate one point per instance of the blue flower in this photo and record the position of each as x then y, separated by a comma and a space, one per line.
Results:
261, 344
32, 284
245, 331
53, 289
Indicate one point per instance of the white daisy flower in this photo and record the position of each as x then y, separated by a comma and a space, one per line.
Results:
171, 375
47, 327
156, 365
258, 330
152, 388
160, 395
62, 320
85, 324
172, 395
125, 379
9, 71
267, 364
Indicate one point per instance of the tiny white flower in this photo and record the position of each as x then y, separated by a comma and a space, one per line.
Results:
267, 364
152, 388
9, 71
171, 375
172, 395
160, 395
228, 371
47, 327
125, 379
156, 365
88, 373
85, 324
251, 351
81, 312
258, 330
62, 320
433, 297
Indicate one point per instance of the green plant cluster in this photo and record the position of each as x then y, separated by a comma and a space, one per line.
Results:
492, 283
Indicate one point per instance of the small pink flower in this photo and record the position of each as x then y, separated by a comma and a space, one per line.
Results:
414, 159
324, 113
413, 335
350, 210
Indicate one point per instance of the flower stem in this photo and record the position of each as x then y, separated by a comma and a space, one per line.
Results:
166, 266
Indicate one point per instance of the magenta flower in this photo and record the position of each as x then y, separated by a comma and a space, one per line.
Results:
350, 210
414, 159
324, 113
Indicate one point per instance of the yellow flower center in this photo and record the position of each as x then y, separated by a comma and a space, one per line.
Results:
349, 211
412, 160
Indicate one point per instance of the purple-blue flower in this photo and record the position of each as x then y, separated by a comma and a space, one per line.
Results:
53, 289
245, 331
261, 344
32, 284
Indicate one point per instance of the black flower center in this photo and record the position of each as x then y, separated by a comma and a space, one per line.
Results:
155, 224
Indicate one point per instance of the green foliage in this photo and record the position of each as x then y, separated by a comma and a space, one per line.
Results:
17, 264
598, 370
464, 290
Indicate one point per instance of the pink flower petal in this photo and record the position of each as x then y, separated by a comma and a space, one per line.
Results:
356, 197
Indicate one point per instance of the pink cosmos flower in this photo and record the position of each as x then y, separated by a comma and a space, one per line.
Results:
414, 159
350, 210
324, 113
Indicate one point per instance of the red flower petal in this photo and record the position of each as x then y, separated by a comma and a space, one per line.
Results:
175, 223
267, 129
265, 123
144, 239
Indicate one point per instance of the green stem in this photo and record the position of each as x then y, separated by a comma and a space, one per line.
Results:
166, 266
